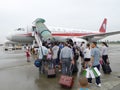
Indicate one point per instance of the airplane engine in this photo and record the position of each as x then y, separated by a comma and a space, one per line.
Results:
94, 39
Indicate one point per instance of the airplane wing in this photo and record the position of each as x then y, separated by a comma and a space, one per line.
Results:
102, 35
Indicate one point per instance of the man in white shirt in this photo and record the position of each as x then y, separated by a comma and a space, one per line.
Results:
66, 58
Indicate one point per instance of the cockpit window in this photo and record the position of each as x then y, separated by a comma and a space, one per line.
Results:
20, 29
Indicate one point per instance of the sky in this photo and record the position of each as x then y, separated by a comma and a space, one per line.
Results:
78, 14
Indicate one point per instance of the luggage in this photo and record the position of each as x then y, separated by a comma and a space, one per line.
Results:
67, 81
106, 68
50, 71
91, 72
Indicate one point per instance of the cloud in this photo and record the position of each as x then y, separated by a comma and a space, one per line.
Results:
85, 14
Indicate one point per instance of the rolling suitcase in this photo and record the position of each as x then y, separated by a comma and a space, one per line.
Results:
67, 81
106, 68
50, 71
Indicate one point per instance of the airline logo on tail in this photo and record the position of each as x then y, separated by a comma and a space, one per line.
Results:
103, 26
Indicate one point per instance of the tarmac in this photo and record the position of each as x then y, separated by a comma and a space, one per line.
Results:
17, 74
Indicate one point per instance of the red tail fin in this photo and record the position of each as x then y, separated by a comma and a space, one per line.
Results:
103, 26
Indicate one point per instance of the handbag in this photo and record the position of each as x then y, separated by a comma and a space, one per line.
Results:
49, 57
106, 68
86, 73
101, 61
37, 63
91, 72
96, 72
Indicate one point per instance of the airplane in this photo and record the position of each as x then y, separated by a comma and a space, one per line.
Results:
23, 35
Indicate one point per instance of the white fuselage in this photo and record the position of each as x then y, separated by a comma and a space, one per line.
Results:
25, 35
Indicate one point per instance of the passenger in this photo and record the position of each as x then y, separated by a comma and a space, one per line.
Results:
61, 45
49, 59
87, 55
82, 48
70, 46
76, 54
42, 55
95, 57
28, 53
35, 53
104, 52
55, 52
75, 45
27, 46
49, 41
74, 49
83, 84
33, 50
66, 58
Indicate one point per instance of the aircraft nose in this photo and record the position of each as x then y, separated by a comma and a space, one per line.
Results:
9, 37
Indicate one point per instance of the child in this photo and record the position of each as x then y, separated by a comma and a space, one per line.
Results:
83, 84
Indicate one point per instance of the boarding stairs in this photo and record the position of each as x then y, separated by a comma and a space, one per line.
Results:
38, 39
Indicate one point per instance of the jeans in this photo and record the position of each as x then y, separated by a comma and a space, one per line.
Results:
54, 62
57, 61
98, 81
66, 66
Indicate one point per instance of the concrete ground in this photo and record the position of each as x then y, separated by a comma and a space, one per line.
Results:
17, 74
